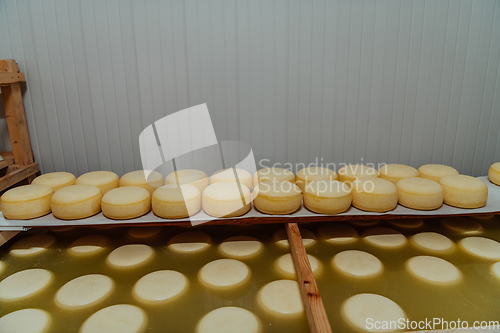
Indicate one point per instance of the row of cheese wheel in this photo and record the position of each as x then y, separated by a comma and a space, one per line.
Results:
228, 192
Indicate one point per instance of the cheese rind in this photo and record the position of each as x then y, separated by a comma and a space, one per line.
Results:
120, 318
227, 176
310, 174
26, 202
175, 202
494, 173
396, 172
281, 298
374, 194
432, 242
464, 191
436, 171
384, 237
105, 180
277, 197
138, 178
197, 178
25, 284
226, 200
160, 287
285, 267
16, 322
420, 193
433, 270
327, 197
84, 291
351, 172
357, 264
481, 247
126, 202
76, 202
224, 274
55, 180
130, 256
241, 247
229, 319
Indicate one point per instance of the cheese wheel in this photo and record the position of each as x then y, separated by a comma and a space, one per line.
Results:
130, 256
144, 232
494, 173
463, 225
160, 287
374, 195
138, 178
384, 237
241, 247
190, 242
327, 197
26, 321
226, 200
126, 203
309, 174
464, 191
227, 176
175, 202
433, 270
337, 233
197, 178
55, 180
120, 318
351, 172
432, 242
31, 245
281, 238
396, 172
364, 223
88, 245
2, 266
84, 291
420, 193
281, 298
105, 180
24, 284
76, 202
407, 223
358, 310
495, 269
224, 274
481, 247
277, 197
436, 171
284, 266
276, 174
229, 319
358, 264
26, 202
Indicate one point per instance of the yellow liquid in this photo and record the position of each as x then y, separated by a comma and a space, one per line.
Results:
181, 315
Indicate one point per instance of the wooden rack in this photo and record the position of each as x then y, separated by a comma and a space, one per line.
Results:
17, 165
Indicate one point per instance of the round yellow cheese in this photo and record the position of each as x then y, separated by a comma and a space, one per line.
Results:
374, 194
481, 247
241, 247
396, 172
420, 193
126, 203
26, 321
84, 291
229, 319
464, 191
432, 242
384, 237
174, 202
407, 223
76, 202
351, 172
55, 180
32, 245
276, 174
26, 202
227, 176
130, 256
160, 287
357, 264
310, 174
119, 318
494, 173
138, 178
277, 197
327, 197
197, 178
105, 180
281, 238
433, 270
226, 200
338, 233
461, 224
224, 274
285, 267
88, 245
190, 242
436, 171
25, 284
281, 298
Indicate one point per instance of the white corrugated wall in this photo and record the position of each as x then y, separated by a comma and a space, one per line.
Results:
344, 81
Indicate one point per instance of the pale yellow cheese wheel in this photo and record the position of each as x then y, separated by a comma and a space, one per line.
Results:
25, 284
31, 245
461, 224
227, 176
494, 173
351, 172
229, 319
26, 202
396, 172
277, 197
105, 180
26, 321
76, 202
277, 174
138, 178
119, 318
130, 256
241, 247
284, 266
144, 232
55, 180
84, 291
160, 287
226, 200
464, 191
281, 238
433, 270
481, 247
432, 242
197, 178
88, 245
436, 171
281, 298
407, 223
420, 193
495, 269
190, 242
357, 264
174, 202
224, 274
310, 174
126, 202
337, 233
327, 197
2, 266
374, 194
384, 237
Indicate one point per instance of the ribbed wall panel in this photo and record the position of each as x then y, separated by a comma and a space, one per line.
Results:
346, 81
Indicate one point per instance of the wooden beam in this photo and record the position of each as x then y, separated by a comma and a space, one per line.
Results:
16, 118
17, 175
7, 160
313, 304
8, 78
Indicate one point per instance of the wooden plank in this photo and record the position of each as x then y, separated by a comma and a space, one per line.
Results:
313, 304
5, 236
7, 160
18, 175
16, 119
7, 78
